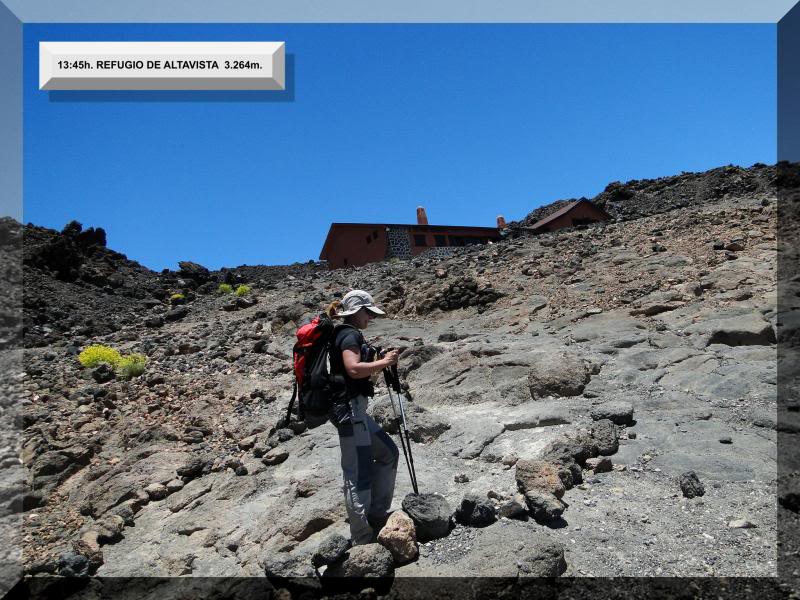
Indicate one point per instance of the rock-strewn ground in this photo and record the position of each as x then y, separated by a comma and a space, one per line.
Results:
663, 323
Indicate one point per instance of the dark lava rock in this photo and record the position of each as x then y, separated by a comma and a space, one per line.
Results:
606, 436
177, 313
331, 551
543, 506
154, 322
194, 468
691, 486
72, 564
103, 373
543, 559
566, 451
368, 560
191, 270
282, 565
281, 435
431, 515
475, 511
246, 302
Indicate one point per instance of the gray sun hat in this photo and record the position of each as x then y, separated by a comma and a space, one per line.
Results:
355, 301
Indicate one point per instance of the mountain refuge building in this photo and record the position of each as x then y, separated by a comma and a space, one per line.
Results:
356, 244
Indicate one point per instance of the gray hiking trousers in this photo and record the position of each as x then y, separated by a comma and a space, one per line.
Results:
369, 467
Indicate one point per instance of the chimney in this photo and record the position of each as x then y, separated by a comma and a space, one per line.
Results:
501, 222
422, 218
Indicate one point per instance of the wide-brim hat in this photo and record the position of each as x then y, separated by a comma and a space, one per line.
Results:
355, 301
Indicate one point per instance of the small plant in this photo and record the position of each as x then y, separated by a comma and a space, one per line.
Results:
242, 290
97, 353
131, 365
177, 299
225, 288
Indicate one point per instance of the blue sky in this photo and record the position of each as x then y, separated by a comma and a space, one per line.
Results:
470, 121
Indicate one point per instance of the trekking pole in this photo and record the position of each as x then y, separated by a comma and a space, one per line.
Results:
405, 441
396, 380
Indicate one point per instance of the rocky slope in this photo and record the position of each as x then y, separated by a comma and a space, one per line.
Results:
560, 389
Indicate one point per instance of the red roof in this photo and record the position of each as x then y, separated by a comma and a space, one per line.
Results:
562, 211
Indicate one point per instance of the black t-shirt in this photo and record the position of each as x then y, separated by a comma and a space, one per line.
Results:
350, 338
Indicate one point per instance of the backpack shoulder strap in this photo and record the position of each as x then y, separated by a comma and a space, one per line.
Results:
339, 327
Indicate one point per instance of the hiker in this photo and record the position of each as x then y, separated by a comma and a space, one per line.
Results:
369, 456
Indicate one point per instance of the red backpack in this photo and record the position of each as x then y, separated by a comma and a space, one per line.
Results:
312, 381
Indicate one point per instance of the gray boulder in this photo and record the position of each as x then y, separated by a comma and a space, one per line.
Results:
332, 550
605, 435
566, 451
283, 565
557, 374
514, 508
431, 515
368, 560
618, 412
193, 468
543, 506
543, 558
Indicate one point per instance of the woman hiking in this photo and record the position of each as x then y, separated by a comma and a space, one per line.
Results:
369, 456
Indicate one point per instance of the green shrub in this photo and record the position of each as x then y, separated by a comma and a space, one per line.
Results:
97, 353
131, 365
224, 288
175, 297
242, 290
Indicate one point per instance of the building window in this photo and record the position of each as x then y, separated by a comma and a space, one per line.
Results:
456, 240
375, 235
345, 262
420, 239
441, 239
369, 239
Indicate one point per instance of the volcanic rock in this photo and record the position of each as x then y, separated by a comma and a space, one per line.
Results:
368, 560
399, 537
691, 486
431, 515
539, 475
557, 375
475, 511
332, 550
620, 413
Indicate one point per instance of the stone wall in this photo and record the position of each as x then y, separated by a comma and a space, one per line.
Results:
440, 252
399, 242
